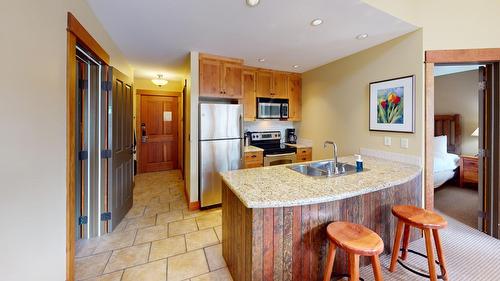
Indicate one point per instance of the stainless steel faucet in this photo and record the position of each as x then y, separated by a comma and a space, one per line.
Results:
335, 152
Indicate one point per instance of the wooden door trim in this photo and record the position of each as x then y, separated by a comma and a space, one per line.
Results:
180, 127
86, 39
431, 58
462, 55
76, 33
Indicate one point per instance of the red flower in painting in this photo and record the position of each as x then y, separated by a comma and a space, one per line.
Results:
396, 100
383, 104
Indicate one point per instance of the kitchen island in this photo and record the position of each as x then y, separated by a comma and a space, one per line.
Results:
274, 219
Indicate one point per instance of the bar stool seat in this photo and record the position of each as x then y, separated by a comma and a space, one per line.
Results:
356, 240
418, 217
430, 223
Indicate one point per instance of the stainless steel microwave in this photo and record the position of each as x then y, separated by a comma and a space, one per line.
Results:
272, 108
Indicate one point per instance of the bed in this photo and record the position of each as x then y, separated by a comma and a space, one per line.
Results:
447, 145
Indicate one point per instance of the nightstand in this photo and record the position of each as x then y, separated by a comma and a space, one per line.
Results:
468, 170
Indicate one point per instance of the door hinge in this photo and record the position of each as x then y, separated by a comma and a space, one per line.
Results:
106, 86
482, 85
106, 153
83, 84
83, 155
106, 216
83, 220
483, 215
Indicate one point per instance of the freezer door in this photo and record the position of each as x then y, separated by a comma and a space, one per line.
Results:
220, 121
217, 156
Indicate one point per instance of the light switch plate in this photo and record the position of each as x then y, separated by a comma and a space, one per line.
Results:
387, 141
404, 143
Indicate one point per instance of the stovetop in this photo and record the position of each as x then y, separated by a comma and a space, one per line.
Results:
271, 143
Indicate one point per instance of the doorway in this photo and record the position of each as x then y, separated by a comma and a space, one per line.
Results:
159, 127
488, 160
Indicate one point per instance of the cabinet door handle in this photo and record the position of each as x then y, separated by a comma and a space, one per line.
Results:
253, 156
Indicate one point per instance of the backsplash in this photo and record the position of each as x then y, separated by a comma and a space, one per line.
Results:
268, 125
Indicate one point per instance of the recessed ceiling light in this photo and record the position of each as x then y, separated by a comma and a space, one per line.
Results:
362, 36
261, 60
296, 66
252, 3
316, 22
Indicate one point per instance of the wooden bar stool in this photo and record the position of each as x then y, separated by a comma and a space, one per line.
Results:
356, 240
427, 221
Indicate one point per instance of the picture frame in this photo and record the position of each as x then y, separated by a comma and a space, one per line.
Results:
392, 105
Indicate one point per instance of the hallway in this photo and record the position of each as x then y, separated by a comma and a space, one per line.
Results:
158, 240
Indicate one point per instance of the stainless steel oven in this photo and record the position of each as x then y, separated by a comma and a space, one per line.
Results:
272, 108
279, 159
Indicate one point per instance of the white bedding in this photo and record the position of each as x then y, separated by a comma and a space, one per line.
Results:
444, 168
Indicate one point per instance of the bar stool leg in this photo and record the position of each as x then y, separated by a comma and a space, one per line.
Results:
395, 249
353, 267
406, 242
430, 255
439, 249
329, 262
377, 272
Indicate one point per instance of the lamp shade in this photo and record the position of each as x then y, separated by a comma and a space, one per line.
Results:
475, 133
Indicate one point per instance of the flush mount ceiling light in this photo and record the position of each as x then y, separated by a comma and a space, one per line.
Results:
252, 3
159, 81
296, 66
362, 36
316, 22
261, 60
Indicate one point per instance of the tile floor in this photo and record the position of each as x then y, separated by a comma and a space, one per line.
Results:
160, 239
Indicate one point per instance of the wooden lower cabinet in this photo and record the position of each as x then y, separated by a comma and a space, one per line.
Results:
290, 243
304, 154
254, 159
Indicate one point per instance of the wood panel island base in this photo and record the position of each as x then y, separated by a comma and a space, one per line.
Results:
289, 242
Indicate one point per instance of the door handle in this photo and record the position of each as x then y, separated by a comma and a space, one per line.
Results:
144, 135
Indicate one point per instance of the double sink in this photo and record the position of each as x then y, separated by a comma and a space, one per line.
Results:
325, 169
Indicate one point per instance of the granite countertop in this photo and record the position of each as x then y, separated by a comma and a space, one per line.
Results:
251, 148
298, 145
278, 186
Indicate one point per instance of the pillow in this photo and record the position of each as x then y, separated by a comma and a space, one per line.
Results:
440, 146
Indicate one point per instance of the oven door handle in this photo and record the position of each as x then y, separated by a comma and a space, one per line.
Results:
280, 155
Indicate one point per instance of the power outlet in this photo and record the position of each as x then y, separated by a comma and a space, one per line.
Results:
404, 143
387, 141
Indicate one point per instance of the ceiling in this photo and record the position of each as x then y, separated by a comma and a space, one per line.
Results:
441, 70
156, 36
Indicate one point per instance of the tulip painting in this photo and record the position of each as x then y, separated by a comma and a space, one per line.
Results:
390, 107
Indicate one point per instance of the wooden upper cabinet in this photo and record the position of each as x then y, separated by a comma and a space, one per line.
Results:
210, 78
232, 79
220, 77
294, 97
272, 84
249, 89
264, 84
280, 83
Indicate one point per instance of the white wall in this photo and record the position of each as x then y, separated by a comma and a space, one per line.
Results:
193, 135
457, 93
33, 145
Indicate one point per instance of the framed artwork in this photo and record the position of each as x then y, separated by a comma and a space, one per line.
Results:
392, 105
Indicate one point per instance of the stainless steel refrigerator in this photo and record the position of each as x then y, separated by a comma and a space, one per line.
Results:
220, 147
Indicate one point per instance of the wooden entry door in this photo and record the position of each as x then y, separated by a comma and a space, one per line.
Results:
158, 133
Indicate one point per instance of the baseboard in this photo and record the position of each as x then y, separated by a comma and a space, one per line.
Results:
192, 206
